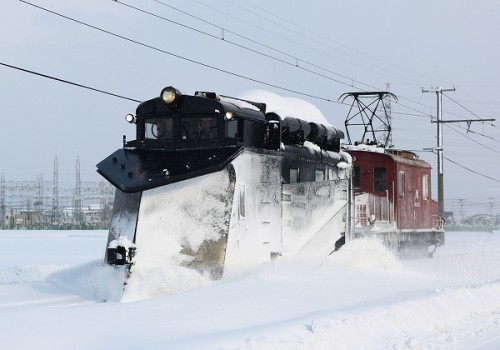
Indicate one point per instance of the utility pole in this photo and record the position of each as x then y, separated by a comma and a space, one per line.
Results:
439, 94
461, 210
439, 121
2, 201
55, 194
78, 196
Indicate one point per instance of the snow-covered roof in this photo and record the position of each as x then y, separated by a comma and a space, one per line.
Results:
286, 106
364, 147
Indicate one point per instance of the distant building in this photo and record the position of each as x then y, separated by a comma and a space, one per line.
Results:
480, 220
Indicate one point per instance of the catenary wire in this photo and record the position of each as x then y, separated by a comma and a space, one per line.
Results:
224, 39
268, 47
476, 142
276, 34
267, 55
310, 39
294, 57
476, 133
468, 110
198, 62
67, 82
279, 87
193, 61
301, 33
330, 40
472, 171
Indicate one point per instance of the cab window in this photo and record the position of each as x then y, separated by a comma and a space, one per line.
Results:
379, 179
159, 129
425, 187
356, 179
294, 176
232, 129
195, 128
319, 175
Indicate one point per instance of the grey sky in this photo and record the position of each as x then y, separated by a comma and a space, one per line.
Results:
368, 43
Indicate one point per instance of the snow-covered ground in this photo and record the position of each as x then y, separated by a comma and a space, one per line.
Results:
52, 286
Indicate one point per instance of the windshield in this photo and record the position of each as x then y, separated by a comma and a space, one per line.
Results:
199, 128
182, 128
159, 129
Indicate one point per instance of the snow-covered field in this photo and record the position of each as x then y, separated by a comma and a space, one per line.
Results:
52, 286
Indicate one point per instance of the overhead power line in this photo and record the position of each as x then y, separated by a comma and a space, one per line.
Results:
67, 82
470, 138
239, 45
472, 171
297, 61
292, 27
308, 47
328, 39
182, 57
296, 64
475, 198
302, 33
468, 110
210, 66
469, 131
226, 40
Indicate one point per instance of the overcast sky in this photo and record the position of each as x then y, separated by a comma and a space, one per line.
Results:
338, 46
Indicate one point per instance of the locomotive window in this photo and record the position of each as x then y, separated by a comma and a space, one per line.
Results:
320, 175
241, 129
379, 179
425, 187
401, 184
294, 176
356, 181
232, 129
159, 129
199, 128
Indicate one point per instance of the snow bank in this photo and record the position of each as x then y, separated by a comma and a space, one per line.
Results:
95, 281
465, 258
424, 323
27, 274
164, 280
354, 301
364, 253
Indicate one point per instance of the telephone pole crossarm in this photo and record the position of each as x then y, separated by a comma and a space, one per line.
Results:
468, 121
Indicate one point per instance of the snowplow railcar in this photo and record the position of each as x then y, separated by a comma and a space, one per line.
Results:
221, 185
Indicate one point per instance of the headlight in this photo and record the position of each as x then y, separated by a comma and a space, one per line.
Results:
130, 118
169, 94
228, 116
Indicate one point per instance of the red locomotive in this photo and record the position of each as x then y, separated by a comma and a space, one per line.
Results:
392, 186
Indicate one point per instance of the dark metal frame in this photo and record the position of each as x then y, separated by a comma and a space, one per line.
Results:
366, 113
